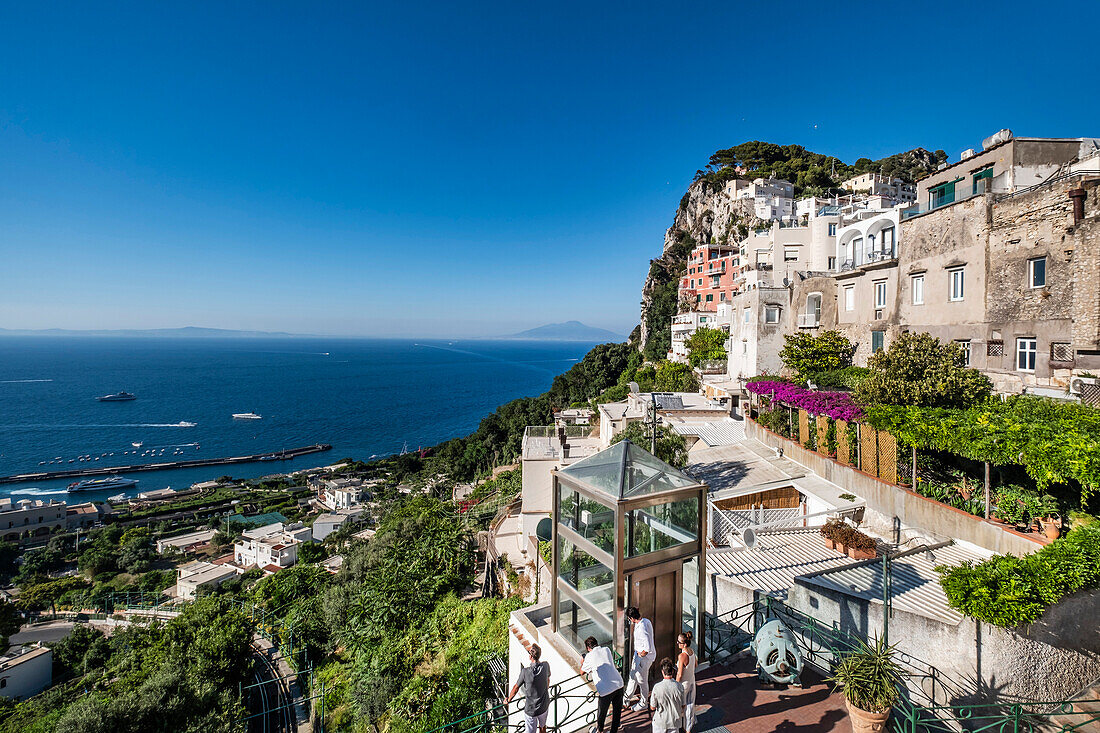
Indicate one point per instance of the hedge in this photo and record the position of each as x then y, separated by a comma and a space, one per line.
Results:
1008, 591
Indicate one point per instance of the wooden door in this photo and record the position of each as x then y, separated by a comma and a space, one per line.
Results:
658, 594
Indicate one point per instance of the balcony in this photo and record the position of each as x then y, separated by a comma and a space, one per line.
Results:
809, 320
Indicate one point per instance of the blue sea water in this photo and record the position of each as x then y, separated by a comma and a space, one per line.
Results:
365, 397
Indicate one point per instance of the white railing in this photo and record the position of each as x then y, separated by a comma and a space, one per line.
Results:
808, 320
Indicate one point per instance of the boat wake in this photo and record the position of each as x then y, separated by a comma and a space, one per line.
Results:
23, 381
38, 492
43, 426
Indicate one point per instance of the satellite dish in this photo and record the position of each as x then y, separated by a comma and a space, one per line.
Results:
633, 387
749, 537
544, 530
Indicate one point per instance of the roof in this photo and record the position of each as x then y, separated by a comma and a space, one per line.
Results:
626, 470
206, 573
333, 518
913, 580
21, 655
257, 519
190, 538
778, 558
271, 568
713, 432
745, 464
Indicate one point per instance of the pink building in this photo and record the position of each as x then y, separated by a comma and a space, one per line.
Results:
710, 274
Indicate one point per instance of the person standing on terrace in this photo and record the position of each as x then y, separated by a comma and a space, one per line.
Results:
598, 663
685, 675
668, 701
643, 658
536, 689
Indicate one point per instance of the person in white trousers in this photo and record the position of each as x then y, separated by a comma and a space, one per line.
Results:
685, 675
644, 650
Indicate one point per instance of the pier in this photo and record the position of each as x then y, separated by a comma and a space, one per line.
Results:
281, 455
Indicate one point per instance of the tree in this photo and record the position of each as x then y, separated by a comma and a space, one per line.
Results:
674, 377
706, 344
805, 353
42, 595
671, 447
10, 621
918, 369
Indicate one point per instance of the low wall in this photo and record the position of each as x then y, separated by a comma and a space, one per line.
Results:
1050, 660
908, 507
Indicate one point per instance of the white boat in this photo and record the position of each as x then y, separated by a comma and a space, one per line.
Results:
138, 444
246, 416
117, 498
185, 424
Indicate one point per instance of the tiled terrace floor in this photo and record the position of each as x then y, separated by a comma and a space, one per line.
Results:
732, 700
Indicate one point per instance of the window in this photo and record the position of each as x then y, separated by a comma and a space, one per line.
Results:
995, 347
1025, 354
748, 315
880, 294
956, 276
692, 282
1062, 353
964, 344
832, 263
983, 181
917, 281
849, 297
744, 347
878, 339
942, 195
887, 242
1037, 272
710, 297
771, 314
790, 254
702, 319
832, 230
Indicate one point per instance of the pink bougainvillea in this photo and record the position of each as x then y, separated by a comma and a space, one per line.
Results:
837, 405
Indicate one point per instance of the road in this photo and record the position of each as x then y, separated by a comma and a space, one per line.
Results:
46, 633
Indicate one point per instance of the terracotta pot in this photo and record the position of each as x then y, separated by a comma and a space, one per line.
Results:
861, 554
865, 722
830, 543
841, 548
1051, 529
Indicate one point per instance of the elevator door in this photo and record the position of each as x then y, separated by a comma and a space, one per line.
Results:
658, 594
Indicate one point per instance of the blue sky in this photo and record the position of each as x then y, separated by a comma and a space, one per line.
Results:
452, 168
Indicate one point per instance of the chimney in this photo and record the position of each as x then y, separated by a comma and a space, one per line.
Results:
561, 438
1077, 196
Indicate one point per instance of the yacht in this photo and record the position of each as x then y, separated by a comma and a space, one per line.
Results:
138, 444
102, 484
117, 397
246, 416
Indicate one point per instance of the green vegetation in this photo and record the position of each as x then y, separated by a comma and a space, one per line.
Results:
1009, 591
1055, 442
671, 447
870, 677
706, 344
845, 378
183, 675
811, 173
918, 369
664, 376
806, 354
664, 281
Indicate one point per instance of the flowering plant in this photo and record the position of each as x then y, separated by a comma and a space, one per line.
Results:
836, 405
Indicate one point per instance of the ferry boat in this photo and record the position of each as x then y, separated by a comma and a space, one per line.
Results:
117, 397
103, 484
246, 416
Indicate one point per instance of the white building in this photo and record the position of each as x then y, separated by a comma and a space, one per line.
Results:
329, 522
185, 542
867, 235
615, 416
544, 449
877, 184
25, 671
271, 547
193, 576
29, 518
342, 493
772, 198
686, 324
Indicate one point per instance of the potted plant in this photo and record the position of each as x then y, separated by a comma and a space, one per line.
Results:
870, 679
1051, 521
861, 546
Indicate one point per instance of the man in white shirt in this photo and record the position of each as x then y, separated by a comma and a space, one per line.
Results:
643, 658
599, 663
668, 701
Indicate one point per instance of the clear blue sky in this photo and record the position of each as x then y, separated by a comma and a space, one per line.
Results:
451, 168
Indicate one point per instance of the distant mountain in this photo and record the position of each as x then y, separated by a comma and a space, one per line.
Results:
185, 332
569, 331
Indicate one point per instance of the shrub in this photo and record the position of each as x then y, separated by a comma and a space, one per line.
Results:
706, 345
1008, 591
918, 369
807, 354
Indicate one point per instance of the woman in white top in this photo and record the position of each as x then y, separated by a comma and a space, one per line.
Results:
685, 675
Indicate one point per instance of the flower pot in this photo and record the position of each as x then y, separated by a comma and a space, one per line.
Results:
830, 543
861, 554
1051, 529
841, 548
866, 722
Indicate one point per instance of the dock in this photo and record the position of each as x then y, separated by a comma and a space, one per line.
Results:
280, 455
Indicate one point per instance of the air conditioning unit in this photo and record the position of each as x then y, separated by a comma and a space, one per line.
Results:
968, 153
1077, 384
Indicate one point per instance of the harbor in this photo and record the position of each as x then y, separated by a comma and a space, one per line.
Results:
282, 455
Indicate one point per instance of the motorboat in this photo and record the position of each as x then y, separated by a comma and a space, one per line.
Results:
138, 444
117, 397
246, 416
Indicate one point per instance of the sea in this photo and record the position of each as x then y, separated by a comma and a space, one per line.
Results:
365, 397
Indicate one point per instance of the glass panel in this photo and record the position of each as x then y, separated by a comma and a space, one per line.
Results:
690, 608
590, 519
665, 525
593, 579
574, 625
625, 469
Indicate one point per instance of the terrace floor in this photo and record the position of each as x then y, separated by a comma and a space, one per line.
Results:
732, 700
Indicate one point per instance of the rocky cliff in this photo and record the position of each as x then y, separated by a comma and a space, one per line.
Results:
707, 213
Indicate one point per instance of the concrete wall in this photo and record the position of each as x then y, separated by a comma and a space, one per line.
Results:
1051, 660
26, 676
887, 501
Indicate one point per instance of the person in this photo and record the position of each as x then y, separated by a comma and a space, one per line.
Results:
685, 675
667, 701
643, 659
536, 688
598, 663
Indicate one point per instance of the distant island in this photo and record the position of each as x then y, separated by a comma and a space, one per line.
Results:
184, 332
569, 331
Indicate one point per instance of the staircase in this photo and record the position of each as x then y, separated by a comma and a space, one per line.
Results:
1088, 702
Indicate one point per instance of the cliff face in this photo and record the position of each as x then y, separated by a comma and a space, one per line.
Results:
707, 213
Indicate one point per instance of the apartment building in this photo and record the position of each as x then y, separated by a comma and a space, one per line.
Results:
686, 324
271, 547
772, 198
708, 280
877, 184
27, 518
193, 577
341, 493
